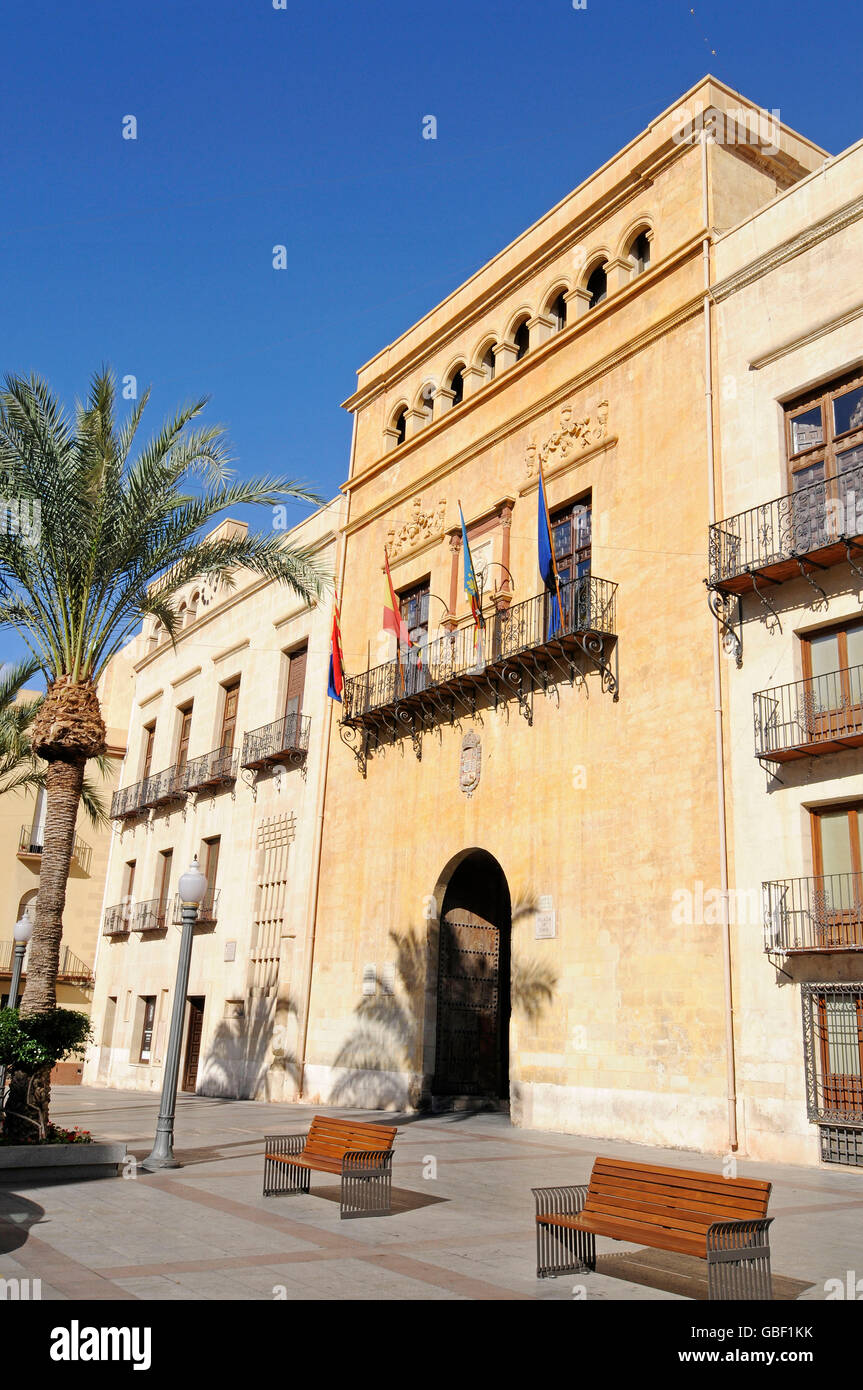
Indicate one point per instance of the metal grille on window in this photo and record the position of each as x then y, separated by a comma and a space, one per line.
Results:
275, 835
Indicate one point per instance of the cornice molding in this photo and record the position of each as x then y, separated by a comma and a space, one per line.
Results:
803, 339
186, 676
231, 651
788, 250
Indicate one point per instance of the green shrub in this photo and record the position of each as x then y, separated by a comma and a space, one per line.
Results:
38, 1041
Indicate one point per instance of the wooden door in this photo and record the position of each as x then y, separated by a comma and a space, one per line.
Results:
837, 843
209, 862
467, 1060
193, 1043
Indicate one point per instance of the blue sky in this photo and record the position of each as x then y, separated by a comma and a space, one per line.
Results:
303, 126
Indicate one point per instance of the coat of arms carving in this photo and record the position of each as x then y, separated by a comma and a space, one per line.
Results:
571, 437
470, 764
420, 527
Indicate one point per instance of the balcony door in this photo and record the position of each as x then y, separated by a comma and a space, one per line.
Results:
149, 740
833, 671
571, 532
229, 718
164, 886
414, 609
837, 843
294, 697
185, 734
825, 459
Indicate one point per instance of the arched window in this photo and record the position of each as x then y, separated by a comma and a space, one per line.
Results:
521, 338
400, 424
426, 401
456, 385
193, 605
597, 286
557, 311
487, 362
639, 252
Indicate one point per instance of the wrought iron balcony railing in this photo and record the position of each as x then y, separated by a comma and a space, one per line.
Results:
464, 655
127, 801
819, 523
210, 770
70, 967
824, 913
118, 919
30, 846
208, 912
163, 788
822, 714
151, 915
287, 740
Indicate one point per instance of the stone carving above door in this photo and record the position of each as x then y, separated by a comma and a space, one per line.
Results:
571, 437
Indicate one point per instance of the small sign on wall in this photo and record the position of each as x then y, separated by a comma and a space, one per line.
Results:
546, 919
370, 979
388, 978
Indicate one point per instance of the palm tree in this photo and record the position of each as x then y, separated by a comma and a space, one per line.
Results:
108, 537
20, 769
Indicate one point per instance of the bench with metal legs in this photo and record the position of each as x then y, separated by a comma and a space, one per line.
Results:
359, 1154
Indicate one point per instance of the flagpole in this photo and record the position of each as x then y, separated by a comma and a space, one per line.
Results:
551, 543
396, 613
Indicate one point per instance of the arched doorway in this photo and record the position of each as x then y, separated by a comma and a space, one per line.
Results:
473, 981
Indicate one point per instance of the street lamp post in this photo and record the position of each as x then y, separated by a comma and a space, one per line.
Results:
192, 887
22, 932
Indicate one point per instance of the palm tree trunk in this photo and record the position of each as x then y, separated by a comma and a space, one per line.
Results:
27, 1104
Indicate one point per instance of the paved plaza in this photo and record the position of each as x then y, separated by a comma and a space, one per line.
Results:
462, 1225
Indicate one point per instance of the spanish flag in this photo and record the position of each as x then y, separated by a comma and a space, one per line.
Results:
393, 620
336, 681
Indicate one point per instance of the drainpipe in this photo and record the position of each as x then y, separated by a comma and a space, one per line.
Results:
321, 800
717, 678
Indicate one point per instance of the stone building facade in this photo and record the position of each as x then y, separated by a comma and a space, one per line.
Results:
533, 804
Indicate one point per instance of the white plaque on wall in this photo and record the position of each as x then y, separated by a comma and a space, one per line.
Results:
370, 979
546, 925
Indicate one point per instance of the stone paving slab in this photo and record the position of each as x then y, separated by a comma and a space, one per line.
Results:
462, 1229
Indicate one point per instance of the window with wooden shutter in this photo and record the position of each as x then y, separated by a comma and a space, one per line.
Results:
229, 716
185, 732
296, 686
149, 740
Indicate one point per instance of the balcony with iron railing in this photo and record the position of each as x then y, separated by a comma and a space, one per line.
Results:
210, 770
151, 915
821, 714
817, 526
118, 919
70, 967
159, 789
30, 847
287, 740
515, 640
822, 913
208, 910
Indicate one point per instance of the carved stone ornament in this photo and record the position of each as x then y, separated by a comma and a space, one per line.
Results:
470, 764
420, 527
571, 437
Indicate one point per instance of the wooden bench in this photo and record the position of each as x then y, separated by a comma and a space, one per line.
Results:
361, 1154
721, 1220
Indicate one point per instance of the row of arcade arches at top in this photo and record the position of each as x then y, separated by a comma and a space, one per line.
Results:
558, 306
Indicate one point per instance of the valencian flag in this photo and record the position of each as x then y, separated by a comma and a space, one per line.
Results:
547, 567
471, 587
336, 681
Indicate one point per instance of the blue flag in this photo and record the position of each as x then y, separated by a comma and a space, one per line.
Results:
546, 562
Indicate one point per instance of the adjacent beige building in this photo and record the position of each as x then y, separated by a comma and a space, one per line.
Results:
227, 740
788, 549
